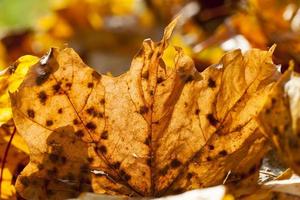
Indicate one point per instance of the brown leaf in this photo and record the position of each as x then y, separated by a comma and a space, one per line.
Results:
152, 131
280, 118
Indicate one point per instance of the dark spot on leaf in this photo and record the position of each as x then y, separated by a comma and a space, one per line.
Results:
212, 120
91, 126
211, 83
102, 149
116, 165
143, 110
145, 75
151, 92
90, 85
43, 97
104, 135
30, 113
60, 111
211, 147
102, 101
69, 85
79, 133
56, 87
49, 123
91, 111
223, 153
159, 80
197, 111
175, 163
208, 158
124, 175
75, 121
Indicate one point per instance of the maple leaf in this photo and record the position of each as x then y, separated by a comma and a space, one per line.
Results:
152, 131
280, 118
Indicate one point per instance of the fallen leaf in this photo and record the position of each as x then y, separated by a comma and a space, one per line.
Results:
153, 131
280, 118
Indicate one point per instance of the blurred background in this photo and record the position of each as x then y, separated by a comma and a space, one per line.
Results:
107, 33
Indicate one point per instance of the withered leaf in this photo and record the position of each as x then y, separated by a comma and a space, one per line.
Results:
152, 131
281, 116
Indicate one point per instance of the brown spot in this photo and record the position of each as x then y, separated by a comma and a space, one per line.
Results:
90, 85
143, 110
212, 120
79, 133
197, 111
102, 149
43, 97
104, 135
56, 87
102, 101
75, 121
116, 165
211, 147
30, 113
91, 111
69, 85
223, 153
151, 92
49, 123
60, 111
145, 75
159, 80
208, 158
175, 163
211, 83
91, 126
96, 75
124, 175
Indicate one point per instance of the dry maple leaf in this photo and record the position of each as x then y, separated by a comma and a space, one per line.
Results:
280, 118
152, 131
